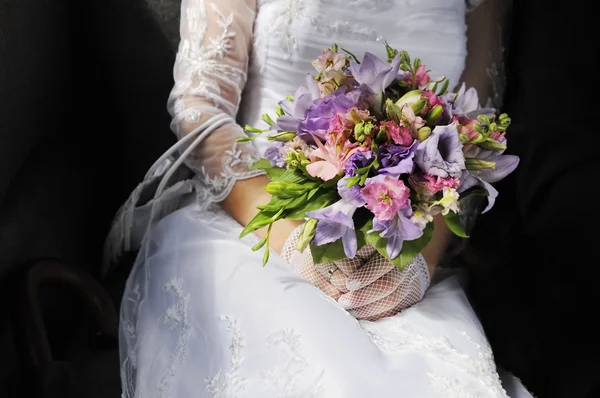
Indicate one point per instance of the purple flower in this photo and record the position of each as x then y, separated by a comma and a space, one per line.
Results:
374, 75
358, 160
295, 111
441, 153
397, 159
466, 103
397, 230
350, 195
505, 164
273, 153
320, 113
335, 222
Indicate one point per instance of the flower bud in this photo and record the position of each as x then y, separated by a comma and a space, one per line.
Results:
492, 145
306, 235
282, 136
434, 114
410, 98
423, 133
479, 164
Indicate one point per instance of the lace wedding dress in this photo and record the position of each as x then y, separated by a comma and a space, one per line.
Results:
201, 316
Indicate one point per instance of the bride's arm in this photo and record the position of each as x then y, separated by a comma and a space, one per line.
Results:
487, 29
210, 73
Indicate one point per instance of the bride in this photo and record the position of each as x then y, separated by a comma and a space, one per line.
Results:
201, 316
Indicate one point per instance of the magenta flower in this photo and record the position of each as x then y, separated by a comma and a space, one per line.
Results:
397, 230
421, 77
385, 195
427, 185
441, 153
335, 222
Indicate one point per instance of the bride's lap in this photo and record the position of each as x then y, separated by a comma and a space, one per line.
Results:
199, 303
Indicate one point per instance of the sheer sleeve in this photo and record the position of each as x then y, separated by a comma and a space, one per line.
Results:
210, 74
487, 28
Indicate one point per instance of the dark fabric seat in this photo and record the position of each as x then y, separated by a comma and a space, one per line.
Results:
83, 88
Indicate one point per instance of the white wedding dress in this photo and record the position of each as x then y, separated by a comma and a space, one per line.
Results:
201, 316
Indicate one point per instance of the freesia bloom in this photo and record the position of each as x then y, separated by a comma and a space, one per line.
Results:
296, 145
397, 230
327, 161
449, 201
422, 215
330, 66
350, 195
374, 75
335, 222
295, 110
505, 164
397, 160
441, 153
466, 103
385, 195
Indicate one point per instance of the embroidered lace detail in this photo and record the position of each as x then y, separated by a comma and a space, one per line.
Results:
229, 384
176, 316
401, 336
129, 334
281, 29
344, 29
281, 379
210, 74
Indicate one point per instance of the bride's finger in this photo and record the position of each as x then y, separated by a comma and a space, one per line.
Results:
380, 306
332, 273
309, 272
349, 265
377, 290
374, 269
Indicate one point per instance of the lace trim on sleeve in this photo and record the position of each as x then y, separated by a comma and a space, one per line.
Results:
210, 73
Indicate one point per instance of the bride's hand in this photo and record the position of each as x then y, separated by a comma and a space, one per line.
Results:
368, 286
378, 289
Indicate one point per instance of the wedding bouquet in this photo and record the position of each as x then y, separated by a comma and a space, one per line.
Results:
368, 152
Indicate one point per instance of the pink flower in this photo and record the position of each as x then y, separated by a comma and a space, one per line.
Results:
330, 66
497, 135
421, 78
398, 134
427, 185
432, 99
385, 196
465, 126
328, 160
410, 120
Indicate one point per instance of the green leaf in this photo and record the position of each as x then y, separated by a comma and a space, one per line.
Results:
318, 201
327, 253
274, 173
453, 222
262, 219
410, 248
293, 176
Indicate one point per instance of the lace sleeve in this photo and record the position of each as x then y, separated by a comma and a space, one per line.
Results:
487, 23
210, 74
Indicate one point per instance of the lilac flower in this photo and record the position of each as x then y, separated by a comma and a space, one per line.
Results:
295, 111
505, 164
397, 230
374, 75
350, 195
358, 160
396, 159
321, 112
335, 222
273, 153
441, 153
466, 103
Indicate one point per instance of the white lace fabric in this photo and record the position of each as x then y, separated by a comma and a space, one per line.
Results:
368, 286
210, 74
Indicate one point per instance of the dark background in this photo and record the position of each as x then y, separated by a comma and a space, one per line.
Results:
83, 90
